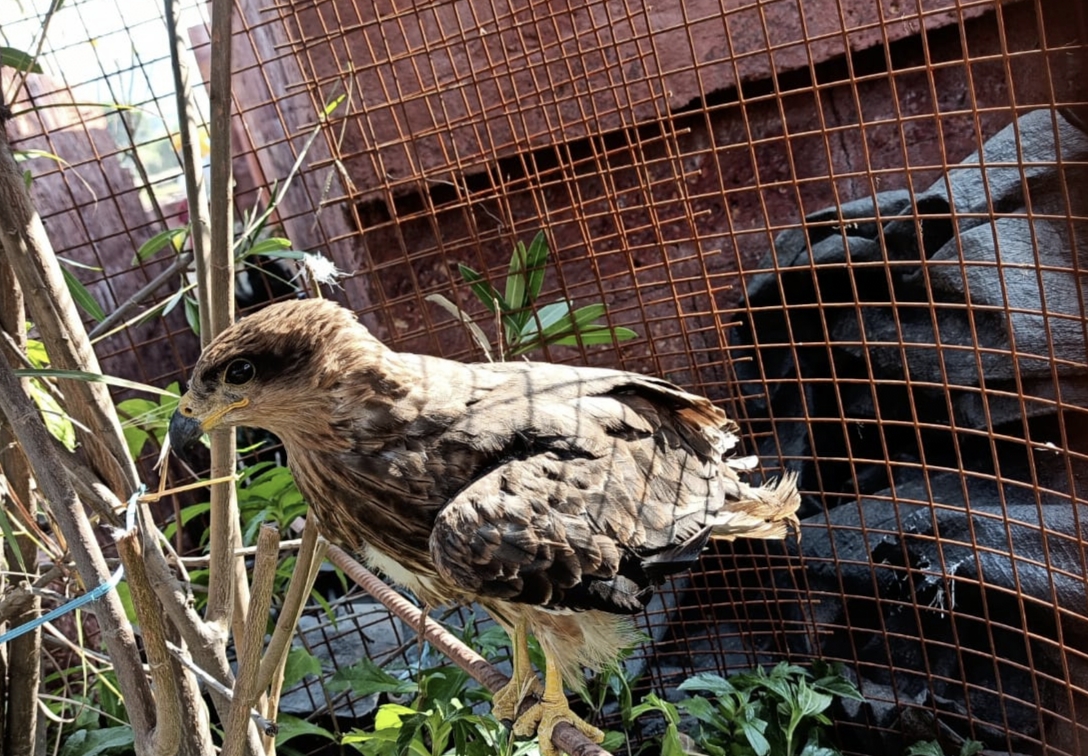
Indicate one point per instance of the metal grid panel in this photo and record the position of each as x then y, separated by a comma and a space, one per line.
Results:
664, 151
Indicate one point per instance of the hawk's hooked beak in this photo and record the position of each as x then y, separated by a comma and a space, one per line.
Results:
187, 426
210, 419
185, 432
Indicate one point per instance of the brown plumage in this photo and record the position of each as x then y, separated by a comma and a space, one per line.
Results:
556, 497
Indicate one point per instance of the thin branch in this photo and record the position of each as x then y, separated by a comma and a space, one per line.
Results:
194, 175
67, 510
251, 644
311, 554
166, 737
179, 265
207, 643
19, 713
227, 586
266, 726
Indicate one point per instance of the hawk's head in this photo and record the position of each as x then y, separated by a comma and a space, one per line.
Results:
272, 370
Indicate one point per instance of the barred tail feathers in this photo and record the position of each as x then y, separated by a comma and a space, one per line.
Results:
769, 511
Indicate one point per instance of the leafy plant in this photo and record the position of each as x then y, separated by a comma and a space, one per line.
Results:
525, 327
90, 709
933, 748
19, 60
443, 718
145, 419
776, 713
56, 419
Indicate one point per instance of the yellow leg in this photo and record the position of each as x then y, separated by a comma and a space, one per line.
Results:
553, 708
523, 683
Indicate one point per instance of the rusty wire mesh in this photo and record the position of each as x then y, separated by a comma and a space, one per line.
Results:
939, 427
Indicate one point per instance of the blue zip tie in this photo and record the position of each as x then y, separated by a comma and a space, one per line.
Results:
92, 595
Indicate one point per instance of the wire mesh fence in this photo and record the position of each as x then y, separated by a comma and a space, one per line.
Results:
861, 227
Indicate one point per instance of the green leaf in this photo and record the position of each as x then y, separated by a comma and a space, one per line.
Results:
19, 60
654, 703
333, 105
410, 738
573, 322
187, 513
81, 375
100, 742
809, 701
125, 595
753, 732
35, 352
83, 297
135, 439
192, 314
287, 254
28, 179
55, 418
171, 236
515, 279
9, 537
544, 318
592, 335
614, 740
829, 679
265, 246
813, 747
926, 748
536, 261
671, 745
446, 684
292, 727
136, 408
483, 290
365, 677
716, 685
76, 264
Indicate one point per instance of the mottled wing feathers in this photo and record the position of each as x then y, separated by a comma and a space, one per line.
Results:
523, 533
612, 482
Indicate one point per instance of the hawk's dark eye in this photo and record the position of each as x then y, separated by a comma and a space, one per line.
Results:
239, 372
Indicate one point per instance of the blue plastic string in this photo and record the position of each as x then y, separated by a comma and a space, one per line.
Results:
92, 595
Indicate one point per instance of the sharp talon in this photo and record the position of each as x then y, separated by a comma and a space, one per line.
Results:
542, 720
507, 702
526, 725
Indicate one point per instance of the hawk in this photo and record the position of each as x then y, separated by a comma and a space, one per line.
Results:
554, 497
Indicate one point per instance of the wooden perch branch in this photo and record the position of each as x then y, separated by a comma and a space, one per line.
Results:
565, 737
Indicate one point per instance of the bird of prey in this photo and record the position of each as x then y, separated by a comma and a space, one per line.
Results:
555, 497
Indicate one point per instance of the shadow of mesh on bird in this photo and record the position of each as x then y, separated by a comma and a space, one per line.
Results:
555, 497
